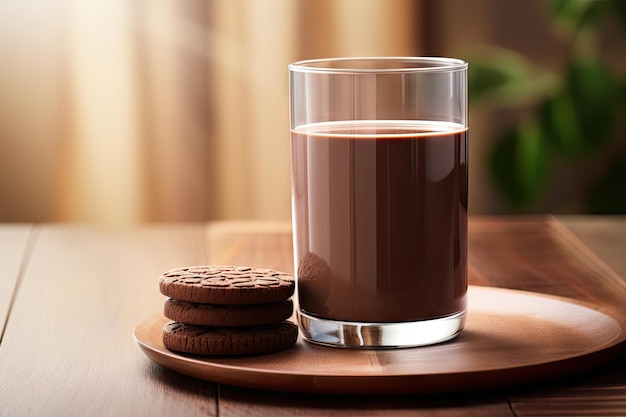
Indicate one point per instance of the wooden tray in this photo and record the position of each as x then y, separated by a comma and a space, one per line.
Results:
511, 337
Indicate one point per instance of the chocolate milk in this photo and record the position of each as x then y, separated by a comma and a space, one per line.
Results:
380, 220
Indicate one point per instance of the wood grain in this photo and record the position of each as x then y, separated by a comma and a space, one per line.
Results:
264, 245
604, 235
252, 244
541, 255
269, 245
600, 392
13, 243
532, 253
510, 338
247, 402
571, 257
68, 347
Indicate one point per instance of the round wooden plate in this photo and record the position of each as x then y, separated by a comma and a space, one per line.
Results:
511, 337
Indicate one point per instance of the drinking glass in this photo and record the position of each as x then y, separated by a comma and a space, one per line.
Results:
379, 199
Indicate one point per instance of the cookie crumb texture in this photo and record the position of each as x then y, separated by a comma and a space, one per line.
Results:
227, 285
219, 341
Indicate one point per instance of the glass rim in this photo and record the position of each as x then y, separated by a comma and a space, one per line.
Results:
404, 65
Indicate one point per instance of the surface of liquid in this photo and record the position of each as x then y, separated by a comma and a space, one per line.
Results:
380, 220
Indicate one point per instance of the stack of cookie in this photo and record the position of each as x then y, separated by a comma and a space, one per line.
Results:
227, 310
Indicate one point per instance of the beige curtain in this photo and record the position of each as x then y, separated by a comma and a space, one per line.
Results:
125, 111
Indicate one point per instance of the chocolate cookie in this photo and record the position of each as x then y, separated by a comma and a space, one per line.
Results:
227, 315
226, 285
228, 341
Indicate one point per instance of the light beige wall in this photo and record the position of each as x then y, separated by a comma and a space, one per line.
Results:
257, 40
30, 80
122, 112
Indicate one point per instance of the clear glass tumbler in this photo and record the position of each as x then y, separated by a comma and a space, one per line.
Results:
379, 199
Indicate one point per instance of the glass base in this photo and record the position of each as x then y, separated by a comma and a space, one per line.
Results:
379, 335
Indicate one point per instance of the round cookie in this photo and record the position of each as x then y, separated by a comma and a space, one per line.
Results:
226, 285
227, 315
228, 341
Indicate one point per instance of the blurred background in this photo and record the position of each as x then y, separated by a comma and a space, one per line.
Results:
126, 111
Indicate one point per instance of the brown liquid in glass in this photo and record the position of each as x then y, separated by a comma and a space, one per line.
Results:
380, 220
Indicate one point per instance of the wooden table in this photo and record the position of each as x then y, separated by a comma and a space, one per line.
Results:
70, 296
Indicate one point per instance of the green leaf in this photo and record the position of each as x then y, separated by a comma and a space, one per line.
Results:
579, 120
594, 94
518, 165
484, 78
504, 77
560, 126
573, 15
608, 194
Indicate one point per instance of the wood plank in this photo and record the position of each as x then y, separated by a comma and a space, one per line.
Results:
68, 346
541, 255
68, 342
544, 255
600, 392
534, 253
268, 245
604, 235
257, 244
254, 244
245, 402
13, 243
